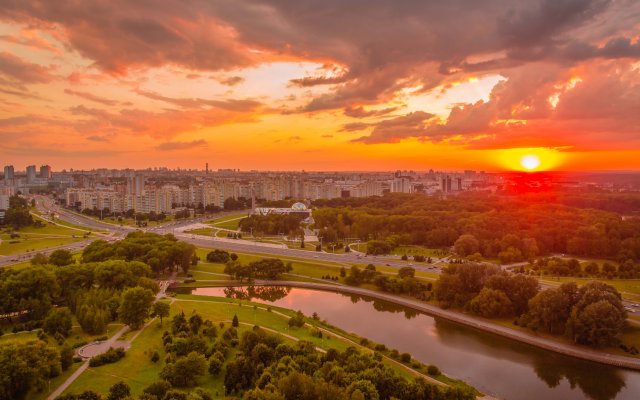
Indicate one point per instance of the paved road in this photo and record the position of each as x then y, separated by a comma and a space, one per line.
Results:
178, 227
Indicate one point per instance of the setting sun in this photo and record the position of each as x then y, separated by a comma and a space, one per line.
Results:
531, 159
530, 162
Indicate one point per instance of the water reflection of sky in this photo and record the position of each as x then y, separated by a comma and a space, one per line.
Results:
496, 366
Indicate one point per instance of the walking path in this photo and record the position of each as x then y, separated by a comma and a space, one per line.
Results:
93, 349
521, 336
104, 345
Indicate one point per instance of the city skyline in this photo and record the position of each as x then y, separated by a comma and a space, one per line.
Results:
294, 85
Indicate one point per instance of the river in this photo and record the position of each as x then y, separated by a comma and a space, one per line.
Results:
497, 366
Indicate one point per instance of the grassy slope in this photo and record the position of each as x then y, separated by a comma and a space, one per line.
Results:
138, 371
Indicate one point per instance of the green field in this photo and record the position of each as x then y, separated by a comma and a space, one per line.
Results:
203, 231
229, 222
32, 238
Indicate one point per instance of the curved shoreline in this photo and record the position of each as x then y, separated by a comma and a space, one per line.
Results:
524, 337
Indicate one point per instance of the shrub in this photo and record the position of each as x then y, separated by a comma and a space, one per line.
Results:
110, 356
433, 370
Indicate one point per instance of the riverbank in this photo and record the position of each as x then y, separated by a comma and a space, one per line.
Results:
532, 339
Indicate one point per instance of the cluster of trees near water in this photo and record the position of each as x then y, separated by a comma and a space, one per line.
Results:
111, 282
592, 314
257, 365
514, 228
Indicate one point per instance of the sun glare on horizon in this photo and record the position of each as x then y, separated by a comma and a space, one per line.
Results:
530, 162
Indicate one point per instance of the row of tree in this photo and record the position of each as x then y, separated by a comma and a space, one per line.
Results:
163, 253
267, 268
513, 228
571, 267
272, 224
591, 315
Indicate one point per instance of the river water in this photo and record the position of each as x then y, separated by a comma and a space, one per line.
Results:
500, 367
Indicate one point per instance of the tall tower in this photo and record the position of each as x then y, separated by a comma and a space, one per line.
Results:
206, 168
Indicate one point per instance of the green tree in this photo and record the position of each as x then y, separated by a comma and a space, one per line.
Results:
185, 371
58, 320
491, 303
119, 391
598, 316
406, 272
39, 259
61, 258
135, 307
24, 366
597, 324
66, 357
235, 322
466, 245
160, 309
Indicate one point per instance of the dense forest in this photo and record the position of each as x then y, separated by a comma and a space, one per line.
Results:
513, 228
112, 281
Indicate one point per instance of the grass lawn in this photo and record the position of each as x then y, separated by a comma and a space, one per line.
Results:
228, 222
26, 243
418, 251
40, 238
203, 231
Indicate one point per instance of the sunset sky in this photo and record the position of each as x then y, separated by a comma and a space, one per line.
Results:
320, 85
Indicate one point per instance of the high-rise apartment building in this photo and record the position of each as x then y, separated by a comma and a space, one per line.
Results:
45, 172
8, 172
31, 174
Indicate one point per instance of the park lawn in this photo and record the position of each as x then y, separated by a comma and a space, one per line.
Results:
203, 231
230, 225
226, 218
137, 370
23, 244
418, 251
74, 227
53, 229
307, 246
